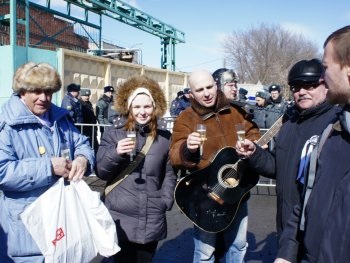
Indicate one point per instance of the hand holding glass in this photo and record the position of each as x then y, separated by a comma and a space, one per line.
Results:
132, 136
202, 130
240, 130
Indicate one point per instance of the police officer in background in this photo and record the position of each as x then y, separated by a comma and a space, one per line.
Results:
260, 109
71, 103
180, 103
242, 94
102, 106
276, 105
89, 118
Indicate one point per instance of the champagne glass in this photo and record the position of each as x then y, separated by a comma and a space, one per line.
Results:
132, 136
65, 151
240, 130
202, 130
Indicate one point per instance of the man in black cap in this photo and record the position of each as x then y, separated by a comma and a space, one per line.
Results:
71, 103
102, 106
260, 109
276, 105
303, 123
242, 94
325, 236
88, 118
180, 103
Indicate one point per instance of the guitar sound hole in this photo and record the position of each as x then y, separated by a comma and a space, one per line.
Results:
227, 178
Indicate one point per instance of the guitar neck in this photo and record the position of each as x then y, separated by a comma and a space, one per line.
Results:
270, 133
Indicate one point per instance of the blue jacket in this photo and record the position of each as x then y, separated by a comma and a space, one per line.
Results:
74, 107
178, 105
26, 147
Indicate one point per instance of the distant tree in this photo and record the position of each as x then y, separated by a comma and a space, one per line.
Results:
266, 53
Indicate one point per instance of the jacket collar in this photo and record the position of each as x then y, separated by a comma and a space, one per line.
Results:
297, 115
15, 112
106, 98
344, 118
204, 112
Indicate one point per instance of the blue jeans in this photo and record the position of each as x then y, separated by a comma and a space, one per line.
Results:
235, 240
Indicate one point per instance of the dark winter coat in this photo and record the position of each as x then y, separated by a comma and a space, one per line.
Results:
74, 107
327, 213
138, 204
274, 110
102, 106
178, 105
260, 117
89, 118
283, 164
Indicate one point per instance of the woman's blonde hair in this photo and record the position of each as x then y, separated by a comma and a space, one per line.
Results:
34, 77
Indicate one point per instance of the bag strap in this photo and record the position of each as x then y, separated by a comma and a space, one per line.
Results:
130, 168
312, 171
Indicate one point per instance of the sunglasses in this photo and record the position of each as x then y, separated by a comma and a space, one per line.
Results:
305, 86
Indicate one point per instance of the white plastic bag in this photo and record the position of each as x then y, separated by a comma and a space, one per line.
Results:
70, 224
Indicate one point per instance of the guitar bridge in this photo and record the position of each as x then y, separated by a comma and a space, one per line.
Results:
216, 198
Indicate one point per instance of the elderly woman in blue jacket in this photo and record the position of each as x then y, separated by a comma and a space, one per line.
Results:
34, 136
139, 202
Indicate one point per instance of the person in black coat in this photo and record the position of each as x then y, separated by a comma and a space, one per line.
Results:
260, 109
180, 103
103, 105
71, 103
242, 94
326, 233
89, 117
276, 105
139, 202
306, 119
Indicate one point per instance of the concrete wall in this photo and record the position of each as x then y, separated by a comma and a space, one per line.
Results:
87, 70
96, 72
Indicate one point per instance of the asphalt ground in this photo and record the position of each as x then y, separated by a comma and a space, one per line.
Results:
178, 246
262, 245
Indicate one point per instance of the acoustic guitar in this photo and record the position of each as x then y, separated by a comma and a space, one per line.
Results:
210, 197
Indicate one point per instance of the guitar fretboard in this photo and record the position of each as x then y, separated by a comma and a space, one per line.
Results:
270, 133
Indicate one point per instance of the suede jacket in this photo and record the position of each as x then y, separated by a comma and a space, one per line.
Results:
220, 121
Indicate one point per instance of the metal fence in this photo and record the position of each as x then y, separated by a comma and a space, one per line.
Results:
164, 123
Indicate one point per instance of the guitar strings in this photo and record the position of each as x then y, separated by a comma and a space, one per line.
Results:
262, 141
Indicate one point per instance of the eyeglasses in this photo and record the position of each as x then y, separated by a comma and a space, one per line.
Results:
305, 86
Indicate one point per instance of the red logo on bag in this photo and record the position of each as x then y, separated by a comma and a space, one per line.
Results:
59, 236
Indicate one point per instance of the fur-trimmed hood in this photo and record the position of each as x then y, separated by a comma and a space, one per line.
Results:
125, 90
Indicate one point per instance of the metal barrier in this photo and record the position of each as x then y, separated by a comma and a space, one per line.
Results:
164, 123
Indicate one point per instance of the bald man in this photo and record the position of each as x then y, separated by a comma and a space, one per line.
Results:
209, 106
